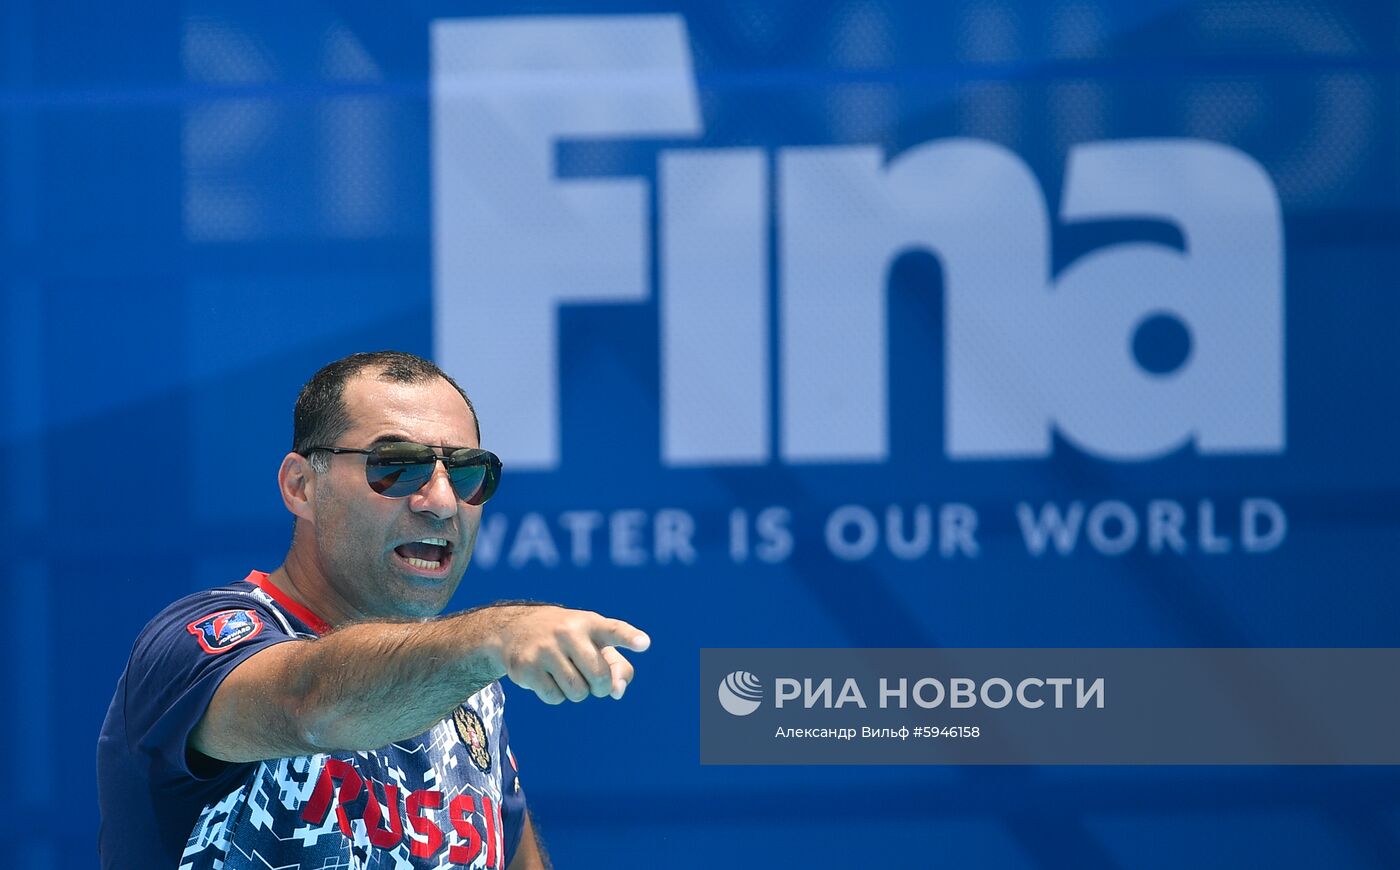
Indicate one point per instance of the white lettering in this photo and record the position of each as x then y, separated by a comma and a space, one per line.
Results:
1000, 684
1227, 394
580, 525
850, 694
1093, 693
775, 541
785, 689
957, 529
624, 538
1251, 538
866, 528
490, 540
925, 683
1038, 531
533, 542
739, 535
714, 307
821, 692
1209, 540
673, 530
1021, 693
1164, 522
511, 242
901, 692
1097, 528
961, 692
908, 548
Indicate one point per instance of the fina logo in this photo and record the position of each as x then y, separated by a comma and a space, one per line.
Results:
740, 693
1028, 354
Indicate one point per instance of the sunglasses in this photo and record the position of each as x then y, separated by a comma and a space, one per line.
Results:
401, 468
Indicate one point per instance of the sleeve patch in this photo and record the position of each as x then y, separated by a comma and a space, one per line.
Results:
223, 630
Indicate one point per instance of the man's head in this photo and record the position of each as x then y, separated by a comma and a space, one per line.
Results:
320, 416
358, 554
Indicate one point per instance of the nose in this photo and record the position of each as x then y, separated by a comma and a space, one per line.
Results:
437, 497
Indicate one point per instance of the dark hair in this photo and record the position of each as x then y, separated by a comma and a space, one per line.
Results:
321, 418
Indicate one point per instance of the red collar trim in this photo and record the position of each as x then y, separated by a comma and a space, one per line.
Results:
263, 582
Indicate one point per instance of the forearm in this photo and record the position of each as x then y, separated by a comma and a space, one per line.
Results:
371, 684
530, 854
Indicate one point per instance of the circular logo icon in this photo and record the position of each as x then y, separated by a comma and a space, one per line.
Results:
740, 693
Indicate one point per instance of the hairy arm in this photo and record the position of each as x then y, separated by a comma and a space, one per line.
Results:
530, 854
373, 683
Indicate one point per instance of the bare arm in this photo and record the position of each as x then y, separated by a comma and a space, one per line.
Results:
530, 854
371, 684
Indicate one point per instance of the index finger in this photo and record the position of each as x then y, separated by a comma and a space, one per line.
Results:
615, 632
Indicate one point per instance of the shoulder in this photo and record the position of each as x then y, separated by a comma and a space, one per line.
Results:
179, 660
212, 622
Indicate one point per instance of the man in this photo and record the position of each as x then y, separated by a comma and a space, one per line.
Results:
319, 716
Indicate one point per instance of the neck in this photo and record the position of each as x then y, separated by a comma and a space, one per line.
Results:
302, 579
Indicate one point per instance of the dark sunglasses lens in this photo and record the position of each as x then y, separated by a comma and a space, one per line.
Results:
467, 481
397, 470
475, 473
400, 481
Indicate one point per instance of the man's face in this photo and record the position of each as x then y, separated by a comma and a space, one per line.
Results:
361, 535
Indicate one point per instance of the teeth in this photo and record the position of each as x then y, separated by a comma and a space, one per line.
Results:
440, 542
424, 564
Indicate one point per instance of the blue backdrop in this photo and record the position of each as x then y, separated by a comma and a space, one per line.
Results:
796, 324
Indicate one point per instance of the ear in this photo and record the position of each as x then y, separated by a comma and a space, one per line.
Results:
297, 481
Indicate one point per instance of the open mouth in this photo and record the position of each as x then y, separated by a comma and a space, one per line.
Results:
428, 555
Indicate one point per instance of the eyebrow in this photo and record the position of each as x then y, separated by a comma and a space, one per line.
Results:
395, 437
